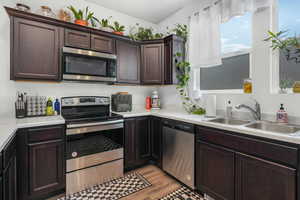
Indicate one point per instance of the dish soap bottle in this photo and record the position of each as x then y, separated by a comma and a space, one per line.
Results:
49, 110
282, 116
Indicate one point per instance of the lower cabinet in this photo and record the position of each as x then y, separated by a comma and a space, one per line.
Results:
156, 140
41, 162
215, 171
137, 142
1, 187
226, 174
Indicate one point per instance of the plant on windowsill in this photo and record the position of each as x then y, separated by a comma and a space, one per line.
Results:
290, 46
284, 85
183, 76
117, 28
83, 17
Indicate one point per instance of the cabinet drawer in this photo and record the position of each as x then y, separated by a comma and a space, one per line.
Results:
77, 39
103, 44
45, 133
276, 152
9, 151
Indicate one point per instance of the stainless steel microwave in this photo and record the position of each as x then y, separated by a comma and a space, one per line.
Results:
85, 65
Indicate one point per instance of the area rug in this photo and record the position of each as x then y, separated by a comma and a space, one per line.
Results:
112, 190
183, 193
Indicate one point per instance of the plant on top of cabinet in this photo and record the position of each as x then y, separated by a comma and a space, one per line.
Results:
144, 33
290, 45
181, 30
183, 76
83, 17
117, 28
105, 24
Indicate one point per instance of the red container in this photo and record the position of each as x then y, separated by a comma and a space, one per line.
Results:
148, 103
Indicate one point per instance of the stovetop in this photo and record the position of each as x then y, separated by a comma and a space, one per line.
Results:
92, 119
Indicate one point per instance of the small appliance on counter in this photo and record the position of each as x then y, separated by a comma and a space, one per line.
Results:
155, 101
121, 102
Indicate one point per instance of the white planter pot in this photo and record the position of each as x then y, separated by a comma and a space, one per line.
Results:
107, 29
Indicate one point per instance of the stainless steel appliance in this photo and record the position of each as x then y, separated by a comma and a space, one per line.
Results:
121, 102
85, 65
95, 139
179, 151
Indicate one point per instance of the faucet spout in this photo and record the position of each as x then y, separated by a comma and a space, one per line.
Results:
255, 112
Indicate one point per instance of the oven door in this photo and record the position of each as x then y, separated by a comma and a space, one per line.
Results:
94, 144
83, 65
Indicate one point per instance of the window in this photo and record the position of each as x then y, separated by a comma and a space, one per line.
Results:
288, 20
236, 40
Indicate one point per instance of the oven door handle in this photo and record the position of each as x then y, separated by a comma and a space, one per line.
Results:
75, 129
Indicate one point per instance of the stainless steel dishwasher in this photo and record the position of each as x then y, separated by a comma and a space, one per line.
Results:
179, 151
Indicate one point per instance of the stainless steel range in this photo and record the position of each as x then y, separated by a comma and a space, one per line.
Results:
94, 142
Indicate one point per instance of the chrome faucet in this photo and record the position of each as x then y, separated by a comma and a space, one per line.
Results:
256, 112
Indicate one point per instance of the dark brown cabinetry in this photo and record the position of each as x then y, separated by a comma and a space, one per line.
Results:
102, 44
128, 62
1, 187
152, 63
215, 171
137, 142
230, 166
260, 179
77, 39
35, 50
156, 140
10, 171
41, 162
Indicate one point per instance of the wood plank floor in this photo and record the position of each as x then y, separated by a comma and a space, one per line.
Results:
162, 184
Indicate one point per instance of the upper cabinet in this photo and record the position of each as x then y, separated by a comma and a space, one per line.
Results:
77, 39
152, 63
128, 55
102, 44
35, 50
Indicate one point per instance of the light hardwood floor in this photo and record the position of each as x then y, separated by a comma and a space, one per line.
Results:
162, 184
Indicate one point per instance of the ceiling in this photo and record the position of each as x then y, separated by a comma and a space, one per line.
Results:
150, 10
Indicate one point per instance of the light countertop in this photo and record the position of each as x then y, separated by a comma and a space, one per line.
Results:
202, 121
9, 126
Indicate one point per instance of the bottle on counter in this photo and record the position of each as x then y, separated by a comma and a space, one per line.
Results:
229, 110
148, 103
57, 107
155, 101
282, 115
49, 109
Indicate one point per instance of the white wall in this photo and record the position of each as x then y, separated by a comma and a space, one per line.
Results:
8, 88
261, 68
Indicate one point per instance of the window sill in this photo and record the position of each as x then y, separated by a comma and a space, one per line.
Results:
288, 92
223, 92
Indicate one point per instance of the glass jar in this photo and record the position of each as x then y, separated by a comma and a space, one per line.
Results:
247, 86
46, 11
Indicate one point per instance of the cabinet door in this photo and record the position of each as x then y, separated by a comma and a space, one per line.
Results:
10, 180
263, 180
77, 39
102, 44
1, 188
156, 140
46, 167
128, 62
152, 63
143, 139
215, 168
129, 151
36, 50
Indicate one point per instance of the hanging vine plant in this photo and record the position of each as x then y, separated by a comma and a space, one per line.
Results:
183, 76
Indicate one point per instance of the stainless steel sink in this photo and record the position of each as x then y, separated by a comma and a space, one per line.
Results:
275, 127
234, 122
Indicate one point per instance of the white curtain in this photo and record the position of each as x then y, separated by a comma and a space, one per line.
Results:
205, 36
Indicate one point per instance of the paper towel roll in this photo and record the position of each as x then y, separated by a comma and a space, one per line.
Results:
210, 105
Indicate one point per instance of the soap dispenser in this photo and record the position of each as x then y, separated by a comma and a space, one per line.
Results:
282, 115
229, 110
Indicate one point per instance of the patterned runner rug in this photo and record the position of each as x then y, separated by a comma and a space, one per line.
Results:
183, 193
112, 190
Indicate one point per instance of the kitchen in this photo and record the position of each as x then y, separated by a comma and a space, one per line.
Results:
208, 134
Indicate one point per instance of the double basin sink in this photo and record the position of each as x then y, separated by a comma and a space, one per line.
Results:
261, 125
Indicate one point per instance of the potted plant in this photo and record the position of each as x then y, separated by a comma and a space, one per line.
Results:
284, 85
142, 33
117, 28
105, 26
83, 17
181, 30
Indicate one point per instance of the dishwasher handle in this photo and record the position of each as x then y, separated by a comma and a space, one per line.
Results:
182, 126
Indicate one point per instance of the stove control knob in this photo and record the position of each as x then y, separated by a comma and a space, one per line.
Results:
74, 154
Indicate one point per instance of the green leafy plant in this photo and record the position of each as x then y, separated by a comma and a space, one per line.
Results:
144, 33
85, 15
117, 27
290, 46
183, 69
105, 22
181, 30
